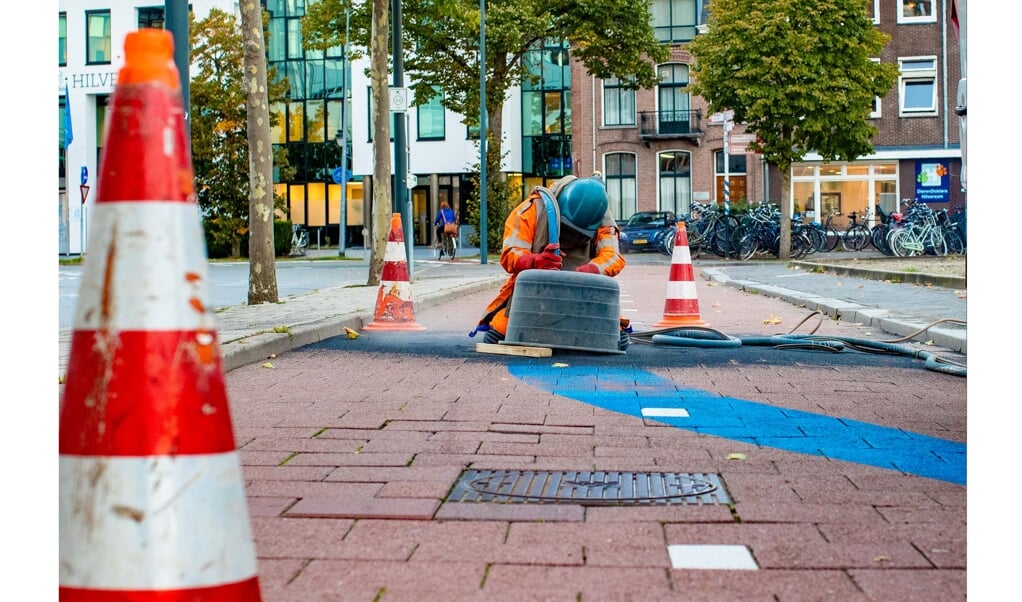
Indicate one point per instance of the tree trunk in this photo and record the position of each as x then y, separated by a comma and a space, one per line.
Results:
262, 267
381, 141
784, 248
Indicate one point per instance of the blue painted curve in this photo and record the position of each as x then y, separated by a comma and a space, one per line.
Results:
628, 391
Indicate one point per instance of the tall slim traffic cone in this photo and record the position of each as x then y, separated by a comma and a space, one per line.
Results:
394, 307
681, 307
152, 499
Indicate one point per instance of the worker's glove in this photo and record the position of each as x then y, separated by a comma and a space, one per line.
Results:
547, 260
588, 268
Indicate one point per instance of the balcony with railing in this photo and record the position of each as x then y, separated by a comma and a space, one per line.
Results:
671, 125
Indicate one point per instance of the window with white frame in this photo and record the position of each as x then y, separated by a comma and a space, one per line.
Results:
875, 112
675, 178
619, 174
916, 11
618, 103
874, 11
675, 20
917, 86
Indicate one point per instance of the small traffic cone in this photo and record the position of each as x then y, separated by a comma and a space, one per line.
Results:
681, 307
152, 499
394, 307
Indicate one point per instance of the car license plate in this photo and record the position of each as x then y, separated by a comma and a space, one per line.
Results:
639, 241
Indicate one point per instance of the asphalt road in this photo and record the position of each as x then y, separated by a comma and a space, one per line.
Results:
228, 281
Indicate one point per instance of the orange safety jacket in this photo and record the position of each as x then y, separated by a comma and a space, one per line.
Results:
526, 231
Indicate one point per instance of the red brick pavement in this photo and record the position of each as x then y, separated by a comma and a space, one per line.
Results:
348, 457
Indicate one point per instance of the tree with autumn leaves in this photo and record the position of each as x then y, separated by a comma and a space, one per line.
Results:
219, 128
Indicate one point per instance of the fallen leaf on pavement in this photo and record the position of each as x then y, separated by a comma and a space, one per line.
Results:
267, 365
736, 456
772, 320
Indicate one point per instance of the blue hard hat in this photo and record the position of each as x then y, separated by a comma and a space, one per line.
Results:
583, 203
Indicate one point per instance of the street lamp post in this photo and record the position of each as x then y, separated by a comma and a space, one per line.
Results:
341, 138
482, 133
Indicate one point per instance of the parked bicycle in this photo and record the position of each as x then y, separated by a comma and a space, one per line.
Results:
920, 235
857, 235
299, 240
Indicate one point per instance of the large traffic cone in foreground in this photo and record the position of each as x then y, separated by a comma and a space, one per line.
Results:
681, 307
152, 499
394, 307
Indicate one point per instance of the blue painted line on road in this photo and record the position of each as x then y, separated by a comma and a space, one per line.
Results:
628, 391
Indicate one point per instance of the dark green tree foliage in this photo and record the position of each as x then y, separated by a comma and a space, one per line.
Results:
219, 130
799, 74
611, 37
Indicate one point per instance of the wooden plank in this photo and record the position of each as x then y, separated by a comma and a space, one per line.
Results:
514, 350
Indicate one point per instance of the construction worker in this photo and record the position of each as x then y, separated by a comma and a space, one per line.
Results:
585, 240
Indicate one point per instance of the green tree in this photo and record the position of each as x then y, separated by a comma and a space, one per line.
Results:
610, 37
219, 128
798, 73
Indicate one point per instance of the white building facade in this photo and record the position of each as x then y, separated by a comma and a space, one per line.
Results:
91, 53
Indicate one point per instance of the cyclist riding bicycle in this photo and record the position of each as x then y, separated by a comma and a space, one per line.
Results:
443, 217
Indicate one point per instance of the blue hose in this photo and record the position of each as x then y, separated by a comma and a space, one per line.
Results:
707, 337
551, 217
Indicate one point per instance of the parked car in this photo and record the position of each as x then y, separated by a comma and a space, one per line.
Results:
645, 230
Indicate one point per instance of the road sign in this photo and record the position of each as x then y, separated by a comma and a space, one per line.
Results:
341, 175
719, 118
85, 192
85, 175
411, 180
398, 100
739, 143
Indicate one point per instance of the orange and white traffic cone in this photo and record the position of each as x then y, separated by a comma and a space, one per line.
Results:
152, 499
681, 307
394, 307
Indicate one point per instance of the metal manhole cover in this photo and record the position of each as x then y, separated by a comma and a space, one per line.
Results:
599, 488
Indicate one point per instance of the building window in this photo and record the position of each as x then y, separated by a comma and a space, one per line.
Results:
736, 170
916, 11
546, 110
875, 111
619, 174
673, 99
917, 86
618, 103
430, 117
675, 21
151, 17
62, 39
675, 176
97, 37
62, 133
372, 111
874, 11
